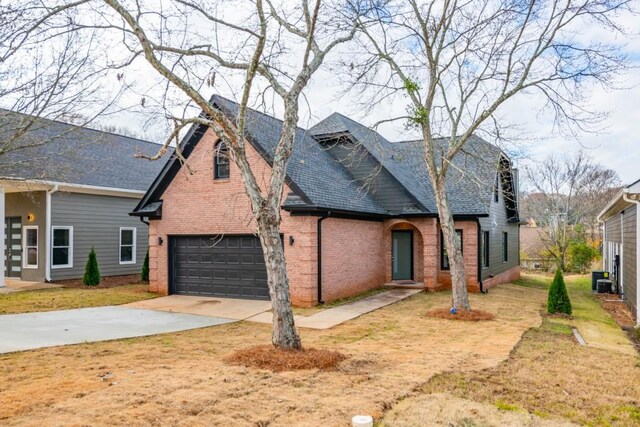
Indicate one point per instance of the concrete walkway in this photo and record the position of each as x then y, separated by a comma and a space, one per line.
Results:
13, 285
327, 319
29, 331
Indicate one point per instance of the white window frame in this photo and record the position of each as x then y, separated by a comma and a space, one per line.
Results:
70, 229
133, 250
25, 255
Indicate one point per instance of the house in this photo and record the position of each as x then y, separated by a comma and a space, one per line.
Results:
620, 243
358, 212
532, 247
66, 190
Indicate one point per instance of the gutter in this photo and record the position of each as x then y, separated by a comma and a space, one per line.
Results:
319, 223
47, 233
637, 203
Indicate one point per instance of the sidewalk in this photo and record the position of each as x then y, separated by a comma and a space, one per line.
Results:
327, 319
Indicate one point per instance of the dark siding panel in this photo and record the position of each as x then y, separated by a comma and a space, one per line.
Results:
96, 222
496, 224
629, 253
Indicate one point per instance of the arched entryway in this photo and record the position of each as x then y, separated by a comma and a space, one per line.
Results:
404, 253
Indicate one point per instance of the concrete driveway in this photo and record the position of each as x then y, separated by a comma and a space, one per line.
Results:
227, 308
29, 331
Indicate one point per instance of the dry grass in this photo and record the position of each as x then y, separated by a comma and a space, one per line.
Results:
464, 315
278, 360
549, 375
181, 379
68, 298
105, 282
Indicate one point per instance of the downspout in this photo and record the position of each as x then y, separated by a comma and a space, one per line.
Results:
143, 221
322, 218
47, 234
479, 263
637, 203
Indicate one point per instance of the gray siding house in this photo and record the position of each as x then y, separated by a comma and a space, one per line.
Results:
66, 189
621, 246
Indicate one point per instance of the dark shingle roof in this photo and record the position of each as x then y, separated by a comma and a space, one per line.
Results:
323, 182
65, 153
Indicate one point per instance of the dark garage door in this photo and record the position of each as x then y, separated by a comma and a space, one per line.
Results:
229, 266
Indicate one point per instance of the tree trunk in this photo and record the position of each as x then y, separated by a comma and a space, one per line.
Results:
460, 296
284, 333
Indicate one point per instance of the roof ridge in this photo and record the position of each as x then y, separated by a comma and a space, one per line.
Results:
79, 126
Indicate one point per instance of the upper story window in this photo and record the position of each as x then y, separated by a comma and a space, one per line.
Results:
496, 189
221, 161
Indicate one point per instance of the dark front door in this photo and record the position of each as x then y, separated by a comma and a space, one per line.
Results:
13, 246
223, 266
402, 255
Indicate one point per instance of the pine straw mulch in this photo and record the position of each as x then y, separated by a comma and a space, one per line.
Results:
464, 315
105, 282
279, 360
622, 316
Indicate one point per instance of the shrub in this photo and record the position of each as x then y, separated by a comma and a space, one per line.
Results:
145, 268
558, 300
91, 271
581, 256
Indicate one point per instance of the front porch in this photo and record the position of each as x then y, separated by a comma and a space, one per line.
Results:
25, 209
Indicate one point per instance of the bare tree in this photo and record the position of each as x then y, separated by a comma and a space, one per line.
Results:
260, 47
456, 63
566, 191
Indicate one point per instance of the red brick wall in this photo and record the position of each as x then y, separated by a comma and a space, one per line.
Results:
506, 277
352, 257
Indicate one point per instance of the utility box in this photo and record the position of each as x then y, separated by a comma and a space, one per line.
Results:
595, 276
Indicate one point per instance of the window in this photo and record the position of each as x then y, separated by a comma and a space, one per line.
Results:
221, 161
62, 247
485, 249
127, 245
444, 258
505, 246
30, 239
496, 189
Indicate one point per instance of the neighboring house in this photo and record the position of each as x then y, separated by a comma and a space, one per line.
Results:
620, 243
532, 247
358, 212
69, 189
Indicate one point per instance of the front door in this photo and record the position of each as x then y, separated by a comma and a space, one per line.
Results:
402, 255
12, 246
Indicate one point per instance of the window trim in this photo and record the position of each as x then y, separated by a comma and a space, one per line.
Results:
70, 247
25, 254
505, 246
486, 250
133, 245
442, 248
216, 173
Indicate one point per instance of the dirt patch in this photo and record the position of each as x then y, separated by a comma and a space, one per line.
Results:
617, 309
279, 360
464, 315
105, 282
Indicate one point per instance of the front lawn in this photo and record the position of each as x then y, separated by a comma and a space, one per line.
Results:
181, 378
548, 376
67, 298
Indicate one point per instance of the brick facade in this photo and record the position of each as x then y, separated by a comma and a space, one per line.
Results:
356, 254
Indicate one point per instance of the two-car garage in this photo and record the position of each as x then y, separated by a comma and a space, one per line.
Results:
230, 266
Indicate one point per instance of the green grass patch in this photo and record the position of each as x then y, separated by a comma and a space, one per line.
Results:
504, 406
69, 298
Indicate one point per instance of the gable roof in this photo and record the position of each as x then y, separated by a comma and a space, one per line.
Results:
324, 179
64, 153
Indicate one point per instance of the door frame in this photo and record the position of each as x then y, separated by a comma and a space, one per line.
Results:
8, 241
410, 232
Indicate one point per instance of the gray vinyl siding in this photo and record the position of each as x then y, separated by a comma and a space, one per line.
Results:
629, 268
96, 222
20, 205
613, 230
496, 224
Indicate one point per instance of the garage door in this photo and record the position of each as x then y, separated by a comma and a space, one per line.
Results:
229, 266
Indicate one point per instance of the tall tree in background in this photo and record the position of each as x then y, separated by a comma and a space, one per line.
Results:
564, 192
267, 47
457, 63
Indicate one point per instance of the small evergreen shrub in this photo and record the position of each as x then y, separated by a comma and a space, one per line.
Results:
558, 300
91, 271
145, 268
